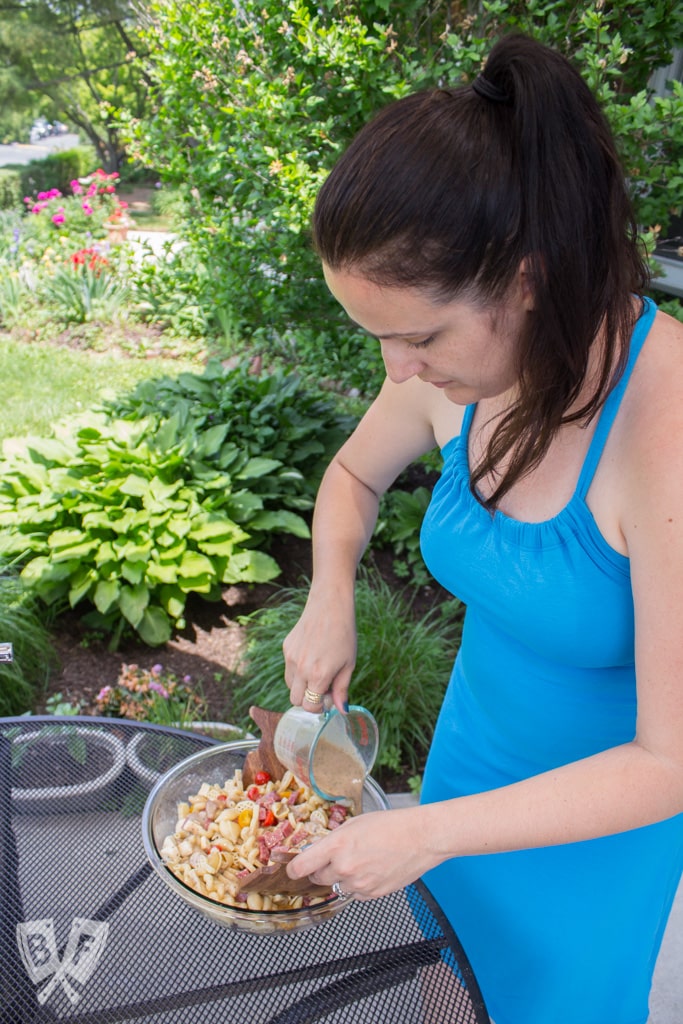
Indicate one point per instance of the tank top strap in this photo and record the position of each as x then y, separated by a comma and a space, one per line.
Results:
467, 422
613, 401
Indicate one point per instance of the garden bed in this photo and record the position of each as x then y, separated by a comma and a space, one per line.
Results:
210, 650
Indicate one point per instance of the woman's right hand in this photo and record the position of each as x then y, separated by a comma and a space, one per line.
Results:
320, 652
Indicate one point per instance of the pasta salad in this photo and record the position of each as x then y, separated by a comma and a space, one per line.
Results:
224, 833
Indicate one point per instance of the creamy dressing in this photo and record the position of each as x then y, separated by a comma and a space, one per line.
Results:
339, 772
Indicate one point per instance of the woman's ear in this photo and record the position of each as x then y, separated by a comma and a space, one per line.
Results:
525, 278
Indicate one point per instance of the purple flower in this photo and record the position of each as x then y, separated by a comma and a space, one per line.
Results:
103, 692
187, 679
156, 670
158, 688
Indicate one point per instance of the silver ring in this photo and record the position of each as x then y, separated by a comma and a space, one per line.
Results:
341, 893
312, 697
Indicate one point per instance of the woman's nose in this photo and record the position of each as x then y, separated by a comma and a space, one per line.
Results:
399, 361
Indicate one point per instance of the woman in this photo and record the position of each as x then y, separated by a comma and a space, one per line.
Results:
485, 237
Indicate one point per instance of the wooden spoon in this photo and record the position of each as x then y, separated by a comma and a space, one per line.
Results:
274, 879
263, 757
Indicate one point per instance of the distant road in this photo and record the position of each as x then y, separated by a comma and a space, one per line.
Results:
24, 152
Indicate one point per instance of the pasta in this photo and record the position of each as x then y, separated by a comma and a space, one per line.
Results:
223, 833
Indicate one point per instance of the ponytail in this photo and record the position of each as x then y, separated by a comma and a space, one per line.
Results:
449, 190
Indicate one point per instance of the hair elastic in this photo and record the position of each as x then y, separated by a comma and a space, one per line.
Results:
483, 87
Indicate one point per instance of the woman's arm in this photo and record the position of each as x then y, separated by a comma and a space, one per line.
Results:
320, 651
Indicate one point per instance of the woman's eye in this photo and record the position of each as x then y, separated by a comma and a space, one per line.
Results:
421, 344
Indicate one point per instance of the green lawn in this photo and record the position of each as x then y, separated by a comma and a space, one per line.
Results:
42, 383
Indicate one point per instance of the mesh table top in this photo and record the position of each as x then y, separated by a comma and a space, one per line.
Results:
90, 935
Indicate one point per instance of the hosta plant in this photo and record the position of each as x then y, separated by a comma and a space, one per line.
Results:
131, 523
177, 490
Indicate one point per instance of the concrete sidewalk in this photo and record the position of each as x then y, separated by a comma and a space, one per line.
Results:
666, 998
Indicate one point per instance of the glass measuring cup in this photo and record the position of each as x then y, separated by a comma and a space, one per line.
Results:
328, 747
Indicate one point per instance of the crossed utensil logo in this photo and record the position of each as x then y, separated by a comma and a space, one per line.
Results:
38, 948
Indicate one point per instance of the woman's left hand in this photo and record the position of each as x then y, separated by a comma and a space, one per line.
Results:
369, 856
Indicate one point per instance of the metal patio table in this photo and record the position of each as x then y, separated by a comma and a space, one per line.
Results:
89, 934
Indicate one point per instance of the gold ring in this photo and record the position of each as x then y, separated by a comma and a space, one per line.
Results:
312, 697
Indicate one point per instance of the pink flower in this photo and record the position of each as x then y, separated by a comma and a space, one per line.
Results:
158, 688
76, 187
87, 208
92, 190
58, 217
103, 693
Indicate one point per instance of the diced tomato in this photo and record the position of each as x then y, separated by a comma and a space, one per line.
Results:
261, 778
269, 819
253, 792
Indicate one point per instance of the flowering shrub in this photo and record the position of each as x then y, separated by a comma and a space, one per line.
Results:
57, 260
52, 218
150, 695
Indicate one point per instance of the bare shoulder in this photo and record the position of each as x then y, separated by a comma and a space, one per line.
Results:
405, 421
651, 439
656, 397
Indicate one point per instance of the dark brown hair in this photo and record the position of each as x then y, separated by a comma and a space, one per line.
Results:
449, 190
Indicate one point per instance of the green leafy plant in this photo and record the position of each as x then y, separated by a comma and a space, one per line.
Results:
57, 169
58, 704
152, 695
398, 529
130, 516
256, 101
402, 669
275, 414
33, 649
84, 290
254, 104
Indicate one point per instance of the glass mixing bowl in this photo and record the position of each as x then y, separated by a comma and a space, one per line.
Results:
214, 765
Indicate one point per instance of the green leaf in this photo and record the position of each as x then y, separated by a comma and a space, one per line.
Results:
158, 572
217, 528
132, 571
133, 601
154, 626
258, 467
210, 441
80, 587
195, 564
168, 434
135, 485
173, 601
106, 595
250, 567
288, 522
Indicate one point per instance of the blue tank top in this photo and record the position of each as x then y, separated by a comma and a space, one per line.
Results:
549, 605
545, 675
